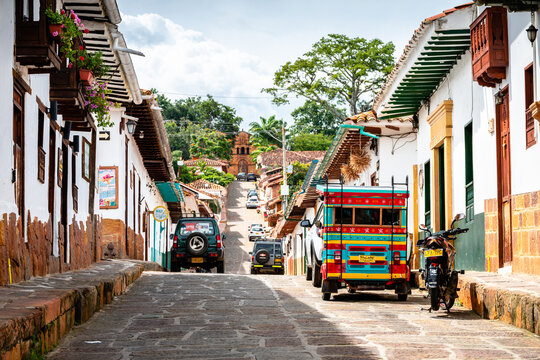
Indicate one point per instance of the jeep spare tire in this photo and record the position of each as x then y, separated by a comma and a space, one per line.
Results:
262, 256
197, 243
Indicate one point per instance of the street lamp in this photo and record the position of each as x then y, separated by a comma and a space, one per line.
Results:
531, 33
131, 123
131, 126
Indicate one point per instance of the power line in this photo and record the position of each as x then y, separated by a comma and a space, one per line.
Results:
216, 96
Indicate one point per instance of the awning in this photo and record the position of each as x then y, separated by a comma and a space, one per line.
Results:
435, 61
168, 191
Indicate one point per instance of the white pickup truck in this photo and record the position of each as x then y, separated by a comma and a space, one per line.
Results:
313, 245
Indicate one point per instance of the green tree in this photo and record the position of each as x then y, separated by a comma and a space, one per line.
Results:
311, 142
267, 131
338, 71
211, 144
194, 116
214, 176
296, 179
313, 118
187, 174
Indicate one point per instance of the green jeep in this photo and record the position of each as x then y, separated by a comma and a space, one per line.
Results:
197, 243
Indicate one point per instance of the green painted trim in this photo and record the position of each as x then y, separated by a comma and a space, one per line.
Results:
470, 246
454, 32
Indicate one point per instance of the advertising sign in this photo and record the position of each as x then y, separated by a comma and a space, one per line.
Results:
161, 213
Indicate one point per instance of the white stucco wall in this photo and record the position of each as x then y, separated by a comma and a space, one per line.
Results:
7, 199
112, 153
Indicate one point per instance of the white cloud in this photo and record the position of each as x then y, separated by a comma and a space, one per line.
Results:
182, 62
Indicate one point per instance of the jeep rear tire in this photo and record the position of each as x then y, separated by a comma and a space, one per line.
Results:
262, 256
316, 272
220, 267
197, 243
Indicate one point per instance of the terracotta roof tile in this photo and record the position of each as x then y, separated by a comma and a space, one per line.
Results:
371, 116
203, 184
210, 162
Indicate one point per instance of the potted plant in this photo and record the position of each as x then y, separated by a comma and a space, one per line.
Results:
66, 27
98, 104
55, 21
90, 66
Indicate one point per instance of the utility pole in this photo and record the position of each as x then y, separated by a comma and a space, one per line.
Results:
284, 169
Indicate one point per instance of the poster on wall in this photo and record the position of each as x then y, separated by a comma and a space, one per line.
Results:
86, 160
108, 187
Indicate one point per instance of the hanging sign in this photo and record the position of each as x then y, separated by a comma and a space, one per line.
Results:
160, 213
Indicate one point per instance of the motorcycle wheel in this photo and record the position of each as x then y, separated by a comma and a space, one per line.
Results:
448, 304
434, 297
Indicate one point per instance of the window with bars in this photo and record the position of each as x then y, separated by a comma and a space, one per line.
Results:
469, 183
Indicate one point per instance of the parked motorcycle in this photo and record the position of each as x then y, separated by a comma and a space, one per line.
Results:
440, 277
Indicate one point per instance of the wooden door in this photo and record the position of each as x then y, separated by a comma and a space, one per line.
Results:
18, 152
504, 181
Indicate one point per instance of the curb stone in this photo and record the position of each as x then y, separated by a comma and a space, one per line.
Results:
35, 315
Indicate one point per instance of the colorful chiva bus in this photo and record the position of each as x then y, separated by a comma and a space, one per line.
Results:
365, 238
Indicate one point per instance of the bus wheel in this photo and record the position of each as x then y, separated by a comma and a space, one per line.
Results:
326, 296
402, 297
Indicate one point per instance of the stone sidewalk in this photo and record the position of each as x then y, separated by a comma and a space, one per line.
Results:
36, 314
512, 298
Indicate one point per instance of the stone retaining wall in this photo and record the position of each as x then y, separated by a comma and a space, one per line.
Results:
34, 256
31, 326
516, 307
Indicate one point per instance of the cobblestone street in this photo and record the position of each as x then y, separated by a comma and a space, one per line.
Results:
237, 245
213, 316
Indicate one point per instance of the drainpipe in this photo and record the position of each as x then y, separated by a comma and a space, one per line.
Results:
535, 85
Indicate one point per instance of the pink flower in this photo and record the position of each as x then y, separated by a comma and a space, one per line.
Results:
62, 26
70, 65
62, 11
86, 31
55, 33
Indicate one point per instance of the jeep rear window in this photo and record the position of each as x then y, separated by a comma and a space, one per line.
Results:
256, 228
205, 227
269, 247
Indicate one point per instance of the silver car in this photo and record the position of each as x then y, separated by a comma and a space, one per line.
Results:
252, 202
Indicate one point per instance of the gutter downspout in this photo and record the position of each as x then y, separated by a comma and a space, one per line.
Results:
128, 71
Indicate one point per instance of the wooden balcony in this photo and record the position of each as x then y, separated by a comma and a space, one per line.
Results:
67, 89
489, 46
34, 45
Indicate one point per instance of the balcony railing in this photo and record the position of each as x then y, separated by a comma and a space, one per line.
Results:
67, 89
489, 46
35, 46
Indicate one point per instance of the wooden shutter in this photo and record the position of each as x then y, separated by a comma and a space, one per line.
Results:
529, 120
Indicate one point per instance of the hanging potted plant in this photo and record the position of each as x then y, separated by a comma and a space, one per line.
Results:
65, 27
55, 21
98, 104
90, 66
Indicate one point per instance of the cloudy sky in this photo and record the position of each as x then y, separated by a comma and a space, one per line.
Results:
230, 49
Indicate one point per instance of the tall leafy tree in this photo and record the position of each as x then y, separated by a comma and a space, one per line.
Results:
313, 118
211, 144
267, 131
199, 121
338, 71
311, 142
